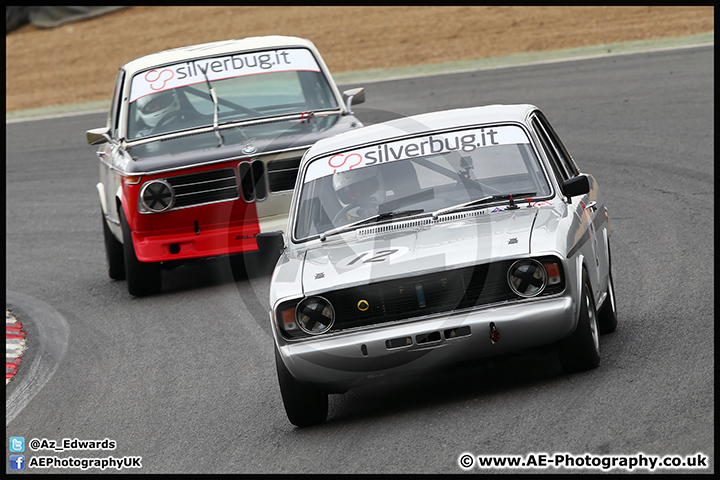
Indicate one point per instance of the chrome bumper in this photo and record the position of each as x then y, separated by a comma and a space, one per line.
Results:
348, 359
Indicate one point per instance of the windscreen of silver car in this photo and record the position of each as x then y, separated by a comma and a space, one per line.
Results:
489, 199
374, 219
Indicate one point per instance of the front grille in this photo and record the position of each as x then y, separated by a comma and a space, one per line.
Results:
206, 187
422, 295
282, 174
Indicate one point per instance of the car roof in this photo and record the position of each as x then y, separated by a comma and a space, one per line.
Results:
420, 124
211, 49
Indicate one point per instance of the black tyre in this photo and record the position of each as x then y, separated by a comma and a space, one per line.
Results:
142, 278
259, 264
607, 314
581, 351
113, 253
305, 405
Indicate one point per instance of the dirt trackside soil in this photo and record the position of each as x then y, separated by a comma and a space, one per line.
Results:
78, 62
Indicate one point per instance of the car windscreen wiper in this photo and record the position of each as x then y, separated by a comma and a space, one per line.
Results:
480, 201
374, 219
213, 97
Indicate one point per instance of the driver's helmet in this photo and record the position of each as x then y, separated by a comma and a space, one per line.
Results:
359, 187
151, 108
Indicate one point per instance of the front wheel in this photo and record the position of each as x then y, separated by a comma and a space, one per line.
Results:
142, 278
607, 315
113, 253
581, 351
304, 404
260, 264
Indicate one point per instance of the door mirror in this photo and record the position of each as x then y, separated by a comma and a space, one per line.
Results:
98, 135
353, 97
270, 242
573, 187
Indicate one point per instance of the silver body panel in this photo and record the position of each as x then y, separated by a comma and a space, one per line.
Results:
339, 363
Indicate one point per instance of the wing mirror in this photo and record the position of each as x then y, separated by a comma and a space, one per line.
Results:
270, 242
353, 97
98, 135
573, 187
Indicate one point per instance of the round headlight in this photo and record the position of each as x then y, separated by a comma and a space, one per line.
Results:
315, 315
527, 278
157, 196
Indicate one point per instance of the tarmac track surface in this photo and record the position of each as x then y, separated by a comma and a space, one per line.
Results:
186, 379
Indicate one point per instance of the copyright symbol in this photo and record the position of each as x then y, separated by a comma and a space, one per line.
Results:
34, 444
466, 460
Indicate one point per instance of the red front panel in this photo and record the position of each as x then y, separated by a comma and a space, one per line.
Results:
193, 232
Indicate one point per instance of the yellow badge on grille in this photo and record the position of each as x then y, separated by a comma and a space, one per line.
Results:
363, 305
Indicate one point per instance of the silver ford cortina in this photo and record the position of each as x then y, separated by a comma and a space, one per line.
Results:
434, 240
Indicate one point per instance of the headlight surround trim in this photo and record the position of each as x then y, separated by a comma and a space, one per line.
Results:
527, 278
316, 310
161, 184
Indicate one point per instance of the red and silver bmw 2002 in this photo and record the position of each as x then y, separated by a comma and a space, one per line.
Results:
202, 146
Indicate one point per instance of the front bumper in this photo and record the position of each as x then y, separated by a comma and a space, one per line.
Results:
346, 360
208, 242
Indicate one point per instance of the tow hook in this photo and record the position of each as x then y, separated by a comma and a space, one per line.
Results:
494, 333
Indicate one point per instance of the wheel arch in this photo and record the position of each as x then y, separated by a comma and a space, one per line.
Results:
101, 192
119, 204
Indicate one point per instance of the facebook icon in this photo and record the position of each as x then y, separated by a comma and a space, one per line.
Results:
17, 462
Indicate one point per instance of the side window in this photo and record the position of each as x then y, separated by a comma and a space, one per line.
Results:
558, 168
116, 102
559, 146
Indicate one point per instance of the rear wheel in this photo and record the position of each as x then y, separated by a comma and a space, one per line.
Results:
113, 253
581, 351
305, 405
142, 278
